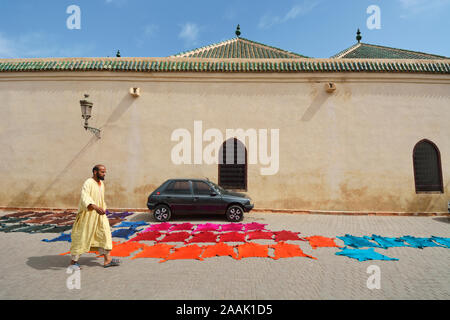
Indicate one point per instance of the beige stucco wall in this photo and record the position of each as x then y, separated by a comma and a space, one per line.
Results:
350, 150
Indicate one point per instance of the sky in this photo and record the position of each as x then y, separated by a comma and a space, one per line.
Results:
150, 28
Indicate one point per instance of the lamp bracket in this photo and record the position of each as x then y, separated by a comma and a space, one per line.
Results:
95, 131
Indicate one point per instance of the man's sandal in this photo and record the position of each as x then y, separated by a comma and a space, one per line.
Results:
113, 263
76, 266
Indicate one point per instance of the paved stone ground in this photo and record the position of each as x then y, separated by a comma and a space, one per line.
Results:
32, 269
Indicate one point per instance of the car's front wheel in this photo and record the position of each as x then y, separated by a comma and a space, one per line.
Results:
162, 213
235, 213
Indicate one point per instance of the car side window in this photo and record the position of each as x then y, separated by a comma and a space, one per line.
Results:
201, 188
179, 187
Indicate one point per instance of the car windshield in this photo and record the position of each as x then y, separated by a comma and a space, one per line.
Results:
217, 187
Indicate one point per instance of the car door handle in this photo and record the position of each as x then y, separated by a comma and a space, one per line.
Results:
195, 198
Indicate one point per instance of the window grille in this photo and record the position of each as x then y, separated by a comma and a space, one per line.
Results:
233, 173
427, 167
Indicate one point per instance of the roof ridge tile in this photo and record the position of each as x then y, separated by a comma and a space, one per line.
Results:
372, 51
441, 66
239, 48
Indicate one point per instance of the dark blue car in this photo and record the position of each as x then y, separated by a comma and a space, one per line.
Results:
197, 196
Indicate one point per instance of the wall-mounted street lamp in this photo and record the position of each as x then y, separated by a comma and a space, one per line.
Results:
86, 109
135, 92
330, 87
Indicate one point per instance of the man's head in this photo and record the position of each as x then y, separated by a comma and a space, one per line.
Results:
99, 172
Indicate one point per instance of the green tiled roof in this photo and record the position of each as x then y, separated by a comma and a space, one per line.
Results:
239, 48
224, 65
370, 51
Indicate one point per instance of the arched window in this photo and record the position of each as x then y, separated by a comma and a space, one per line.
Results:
427, 167
233, 165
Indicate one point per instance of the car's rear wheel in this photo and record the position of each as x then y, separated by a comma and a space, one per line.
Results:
235, 213
162, 213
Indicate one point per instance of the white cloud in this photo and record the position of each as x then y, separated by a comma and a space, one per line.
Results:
118, 3
151, 30
409, 3
7, 47
148, 31
37, 45
230, 13
189, 33
417, 7
303, 8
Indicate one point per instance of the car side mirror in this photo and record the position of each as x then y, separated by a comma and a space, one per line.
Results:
213, 193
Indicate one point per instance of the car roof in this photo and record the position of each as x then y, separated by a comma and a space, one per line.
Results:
188, 179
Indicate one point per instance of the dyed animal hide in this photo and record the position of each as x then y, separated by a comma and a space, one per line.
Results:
357, 242
34, 228
121, 215
130, 224
114, 221
126, 248
62, 237
123, 233
254, 226
147, 236
192, 251
443, 241
204, 236
364, 254
207, 227
25, 214
175, 237
286, 235
165, 226
232, 227
319, 241
182, 227
219, 250
285, 250
160, 250
420, 242
55, 229
386, 242
43, 220
232, 237
249, 249
255, 235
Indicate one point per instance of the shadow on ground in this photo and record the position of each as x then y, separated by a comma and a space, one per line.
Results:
442, 219
57, 262
148, 217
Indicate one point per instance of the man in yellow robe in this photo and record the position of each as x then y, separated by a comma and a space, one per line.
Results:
91, 230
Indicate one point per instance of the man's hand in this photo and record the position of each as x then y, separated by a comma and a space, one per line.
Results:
99, 210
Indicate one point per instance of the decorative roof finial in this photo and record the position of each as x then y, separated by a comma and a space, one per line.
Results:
358, 36
238, 31
118, 54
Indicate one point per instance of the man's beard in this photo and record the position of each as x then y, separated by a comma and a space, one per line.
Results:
100, 178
